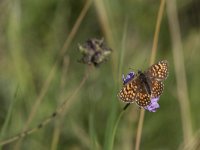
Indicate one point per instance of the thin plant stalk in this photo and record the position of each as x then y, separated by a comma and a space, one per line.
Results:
152, 59
177, 51
139, 129
57, 129
93, 135
115, 129
107, 31
66, 104
8, 117
193, 144
52, 72
121, 55
123, 47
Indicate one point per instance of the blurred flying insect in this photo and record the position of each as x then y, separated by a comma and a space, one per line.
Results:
145, 88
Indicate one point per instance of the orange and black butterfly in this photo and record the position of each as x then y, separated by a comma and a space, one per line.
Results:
146, 85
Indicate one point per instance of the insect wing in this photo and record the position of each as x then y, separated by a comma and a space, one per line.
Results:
135, 91
142, 97
158, 71
157, 88
128, 92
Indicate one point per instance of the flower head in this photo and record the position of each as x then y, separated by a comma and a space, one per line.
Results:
94, 51
128, 77
153, 106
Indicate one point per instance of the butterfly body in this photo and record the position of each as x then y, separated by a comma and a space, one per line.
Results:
145, 85
145, 81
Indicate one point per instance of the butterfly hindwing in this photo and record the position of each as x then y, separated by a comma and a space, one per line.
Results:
142, 97
135, 91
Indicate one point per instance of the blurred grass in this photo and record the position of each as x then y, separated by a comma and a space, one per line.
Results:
182, 89
31, 35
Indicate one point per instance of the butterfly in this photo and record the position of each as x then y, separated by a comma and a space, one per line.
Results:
146, 85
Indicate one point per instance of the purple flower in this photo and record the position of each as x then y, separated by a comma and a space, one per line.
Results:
153, 106
128, 77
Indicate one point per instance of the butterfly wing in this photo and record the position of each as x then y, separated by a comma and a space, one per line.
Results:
135, 91
158, 71
157, 88
128, 92
142, 97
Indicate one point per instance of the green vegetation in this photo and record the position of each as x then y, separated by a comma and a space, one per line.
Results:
40, 70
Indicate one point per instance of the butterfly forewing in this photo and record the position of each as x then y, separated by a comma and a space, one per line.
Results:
135, 91
158, 71
128, 91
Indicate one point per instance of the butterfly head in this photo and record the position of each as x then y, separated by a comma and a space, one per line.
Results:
139, 72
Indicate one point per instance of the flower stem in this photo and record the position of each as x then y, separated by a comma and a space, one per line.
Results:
152, 59
180, 71
139, 130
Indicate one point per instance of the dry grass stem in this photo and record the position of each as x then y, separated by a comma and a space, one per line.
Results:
57, 129
178, 57
52, 72
139, 129
75, 27
108, 32
66, 104
157, 31
153, 55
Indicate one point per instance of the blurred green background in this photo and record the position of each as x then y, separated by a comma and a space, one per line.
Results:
32, 34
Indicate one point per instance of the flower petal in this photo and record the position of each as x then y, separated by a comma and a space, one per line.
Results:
153, 106
128, 77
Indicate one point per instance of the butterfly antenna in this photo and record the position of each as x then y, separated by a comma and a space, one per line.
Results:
130, 68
